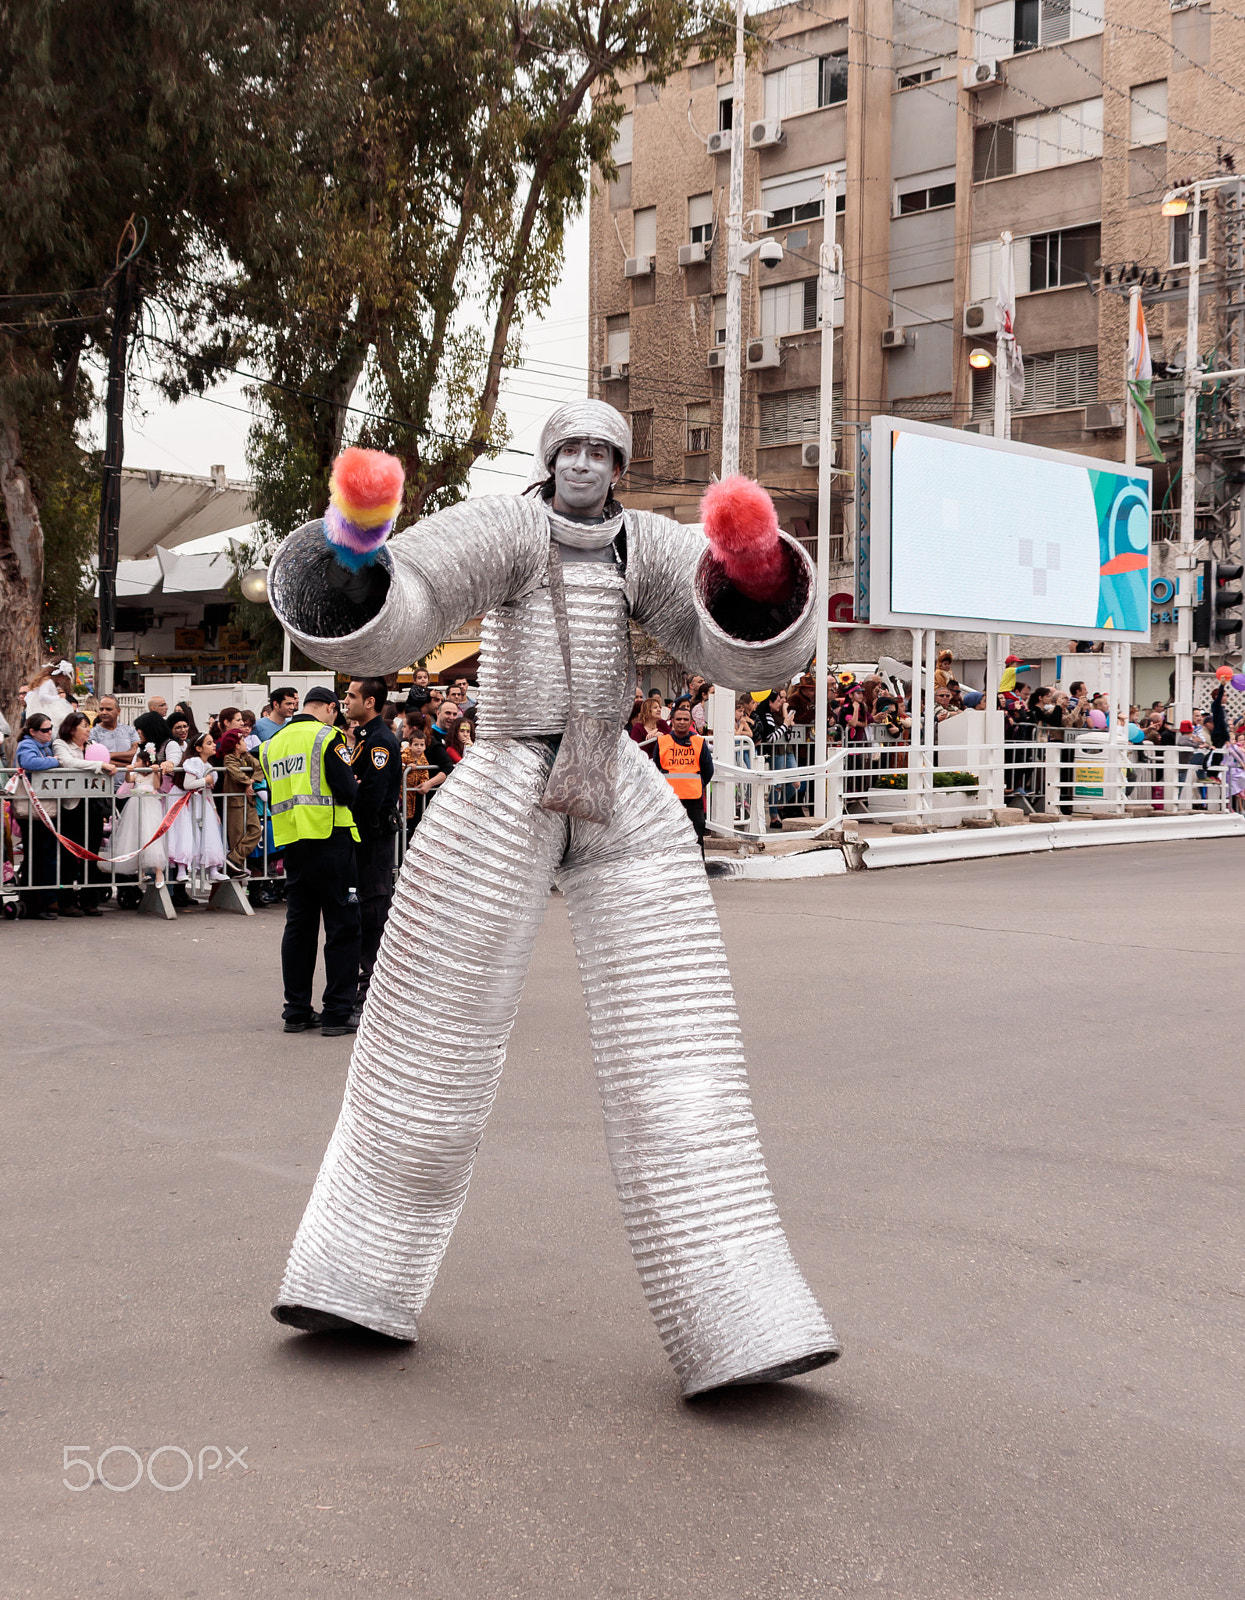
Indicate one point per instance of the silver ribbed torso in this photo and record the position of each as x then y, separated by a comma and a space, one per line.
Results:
522, 691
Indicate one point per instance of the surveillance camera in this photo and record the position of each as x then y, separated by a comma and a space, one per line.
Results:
770, 253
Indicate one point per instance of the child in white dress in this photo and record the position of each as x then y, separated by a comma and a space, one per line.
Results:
195, 838
140, 817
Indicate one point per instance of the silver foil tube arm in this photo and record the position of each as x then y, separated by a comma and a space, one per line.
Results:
680, 594
454, 565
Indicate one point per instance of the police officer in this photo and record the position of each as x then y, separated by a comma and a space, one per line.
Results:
684, 757
311, 789
377, 765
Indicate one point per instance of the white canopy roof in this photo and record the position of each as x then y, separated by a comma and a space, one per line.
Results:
166, 572
172, 508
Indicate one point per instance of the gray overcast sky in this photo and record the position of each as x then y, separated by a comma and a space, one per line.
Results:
193, 436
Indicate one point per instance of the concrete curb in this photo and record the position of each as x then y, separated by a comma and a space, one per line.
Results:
909, 850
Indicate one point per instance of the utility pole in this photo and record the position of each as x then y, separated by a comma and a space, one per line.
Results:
830, 277
732, 378
110, 488
1185, 562
722, 708
1002, 346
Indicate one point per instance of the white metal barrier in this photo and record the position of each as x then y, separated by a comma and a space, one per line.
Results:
1085, 776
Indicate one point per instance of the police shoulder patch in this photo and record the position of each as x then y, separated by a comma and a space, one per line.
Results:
343, 752
380, 755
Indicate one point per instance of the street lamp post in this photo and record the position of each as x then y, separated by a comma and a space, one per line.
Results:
830, 278
1188, 200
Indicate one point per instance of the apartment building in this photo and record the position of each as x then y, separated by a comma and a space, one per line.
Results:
1060, 121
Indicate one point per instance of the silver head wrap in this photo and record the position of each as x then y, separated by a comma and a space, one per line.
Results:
581, 419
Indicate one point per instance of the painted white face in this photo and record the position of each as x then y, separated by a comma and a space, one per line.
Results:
583, 472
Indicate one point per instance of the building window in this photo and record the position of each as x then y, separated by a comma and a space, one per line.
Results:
1049, 139
642, 435
647, 94
1180, 236
719, 319
701, 76
726, 107
806, 85
1147, 113
1038, 23
697, 441
700, 219
789, 307
790, 418
1067, 257
618, 340
1055, 382
620, 153
925, 191
795, 197
644, 234
927, 72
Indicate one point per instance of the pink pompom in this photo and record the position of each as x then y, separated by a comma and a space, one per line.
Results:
742, 528
367, 480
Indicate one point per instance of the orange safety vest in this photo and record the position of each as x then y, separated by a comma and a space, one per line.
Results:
681, 764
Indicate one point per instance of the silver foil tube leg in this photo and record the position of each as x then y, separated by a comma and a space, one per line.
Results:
730, 1303
394, 1178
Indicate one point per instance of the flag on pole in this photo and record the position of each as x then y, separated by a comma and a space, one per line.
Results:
1140, 375
1005, 306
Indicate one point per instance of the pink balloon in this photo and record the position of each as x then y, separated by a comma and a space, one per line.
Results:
1097, 719
1238, 680
97, 752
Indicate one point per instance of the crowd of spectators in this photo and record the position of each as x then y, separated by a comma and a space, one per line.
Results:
164, 756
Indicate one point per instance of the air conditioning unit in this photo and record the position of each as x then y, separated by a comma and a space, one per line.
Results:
716, 360
810, 455
980, 317
765, 134
638, 267
762, 353
1102, 418
894, 338
719, 144
983, 74
691, 255
616, 370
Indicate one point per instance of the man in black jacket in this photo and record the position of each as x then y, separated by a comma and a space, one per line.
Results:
377, 765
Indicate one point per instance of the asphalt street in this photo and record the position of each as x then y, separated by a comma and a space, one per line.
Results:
1002, 1107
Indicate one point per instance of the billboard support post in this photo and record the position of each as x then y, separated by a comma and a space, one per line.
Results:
997, 645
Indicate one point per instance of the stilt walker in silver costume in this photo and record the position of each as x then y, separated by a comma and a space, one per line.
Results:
554, 791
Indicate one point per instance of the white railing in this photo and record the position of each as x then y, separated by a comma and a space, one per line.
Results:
892, 782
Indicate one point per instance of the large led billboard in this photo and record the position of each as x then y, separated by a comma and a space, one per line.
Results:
999, 537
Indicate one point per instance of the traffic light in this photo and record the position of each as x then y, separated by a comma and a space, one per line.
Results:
1225, 602
1214, 615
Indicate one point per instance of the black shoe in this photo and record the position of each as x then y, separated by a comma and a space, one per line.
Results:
356, 1016
45, 916
338, 1030
310, 1320
235, 871
302, 1024
70, 911
91, 911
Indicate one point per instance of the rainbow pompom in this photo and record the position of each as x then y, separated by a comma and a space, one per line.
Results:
365, 496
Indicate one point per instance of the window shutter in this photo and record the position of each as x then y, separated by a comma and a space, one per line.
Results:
1056, 21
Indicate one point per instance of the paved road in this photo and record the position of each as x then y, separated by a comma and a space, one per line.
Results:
1002, 1106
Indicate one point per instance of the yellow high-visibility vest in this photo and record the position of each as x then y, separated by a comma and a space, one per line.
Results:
300, 800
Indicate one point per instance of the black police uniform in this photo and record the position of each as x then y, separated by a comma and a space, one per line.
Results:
377, 767
318, 873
